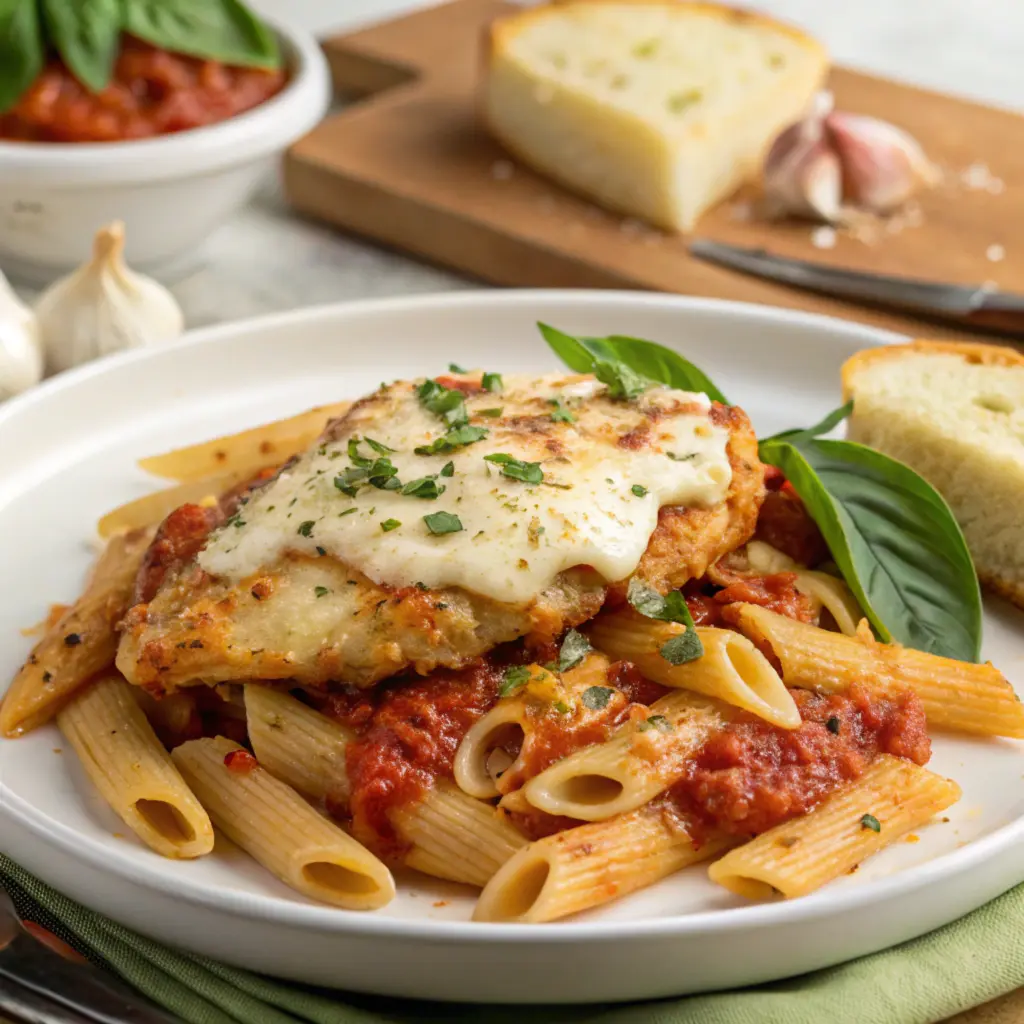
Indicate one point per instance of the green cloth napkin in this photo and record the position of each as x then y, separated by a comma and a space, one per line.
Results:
955, 968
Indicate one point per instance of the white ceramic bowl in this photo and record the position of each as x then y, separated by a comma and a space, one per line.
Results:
171, 191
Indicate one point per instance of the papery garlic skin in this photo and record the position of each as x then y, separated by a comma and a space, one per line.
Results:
21, 353
104, 307
831, 164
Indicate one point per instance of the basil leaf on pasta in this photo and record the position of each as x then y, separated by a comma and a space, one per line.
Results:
895, 541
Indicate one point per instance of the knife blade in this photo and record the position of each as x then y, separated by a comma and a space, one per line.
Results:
972, 305
80, 988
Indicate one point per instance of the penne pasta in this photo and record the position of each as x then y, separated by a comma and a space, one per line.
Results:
126, 762
643, 758
955, 694
81, 643
506, 723
246, 452
892, 797
297, 744
731, 669
272, 823
153, 509
454, 836
824, 590
587, 866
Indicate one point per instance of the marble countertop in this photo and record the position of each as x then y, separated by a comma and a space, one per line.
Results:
267, 260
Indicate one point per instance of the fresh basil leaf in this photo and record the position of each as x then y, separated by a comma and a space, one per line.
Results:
623, 382
830, 422
871, 822
379, 447
87, 35
21, 49
492, 382
647, 359
224, 30
596, 697
655, 362
457, 437
659, 722
575, 647
895, 541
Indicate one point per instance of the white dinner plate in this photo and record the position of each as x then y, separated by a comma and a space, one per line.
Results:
68, 455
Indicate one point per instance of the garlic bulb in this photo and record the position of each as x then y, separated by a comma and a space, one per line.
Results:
21, 355
832, 163
104, 307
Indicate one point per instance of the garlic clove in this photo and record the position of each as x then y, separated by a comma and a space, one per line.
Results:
805, 182
21, 354
104, 307
883, 166
802, 176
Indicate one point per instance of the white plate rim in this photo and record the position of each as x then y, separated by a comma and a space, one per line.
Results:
265, 908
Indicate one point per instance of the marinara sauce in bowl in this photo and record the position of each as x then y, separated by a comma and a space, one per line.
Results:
172, 146
152, 92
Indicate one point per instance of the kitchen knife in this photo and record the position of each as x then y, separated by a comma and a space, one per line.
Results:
972, 306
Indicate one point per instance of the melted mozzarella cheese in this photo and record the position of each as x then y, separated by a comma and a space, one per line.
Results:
516, 537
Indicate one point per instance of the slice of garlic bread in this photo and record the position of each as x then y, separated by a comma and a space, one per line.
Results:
955, 413
658, 110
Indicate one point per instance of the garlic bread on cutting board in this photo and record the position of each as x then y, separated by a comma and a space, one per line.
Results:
658, 110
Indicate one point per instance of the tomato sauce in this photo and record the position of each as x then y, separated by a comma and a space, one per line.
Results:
152, 92
785, 523
776, 592
752, 775
409, 732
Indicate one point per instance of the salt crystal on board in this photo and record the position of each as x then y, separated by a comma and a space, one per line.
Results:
823, 237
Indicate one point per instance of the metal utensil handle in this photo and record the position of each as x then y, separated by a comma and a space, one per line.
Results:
80, 987
29, 1007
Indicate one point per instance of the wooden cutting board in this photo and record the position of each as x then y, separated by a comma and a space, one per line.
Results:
410, 166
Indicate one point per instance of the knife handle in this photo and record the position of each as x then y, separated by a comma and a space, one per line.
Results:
999, 311
82, 988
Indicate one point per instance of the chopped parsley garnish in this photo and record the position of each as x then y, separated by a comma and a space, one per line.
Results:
448, 469
348, 511
492, 382
528, 472
321, 591
623, 382
671, 607
425, 487
833, 725
306, 529
321, 551
448, 403
455, 368
678, 102
440, 523
514, 679
683, 648
378, 447
659, 722
390, 524
681, 458
871, 822
575, 647
561, 707
596, 697
639, 490
561, 414
457, 437
492, 413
